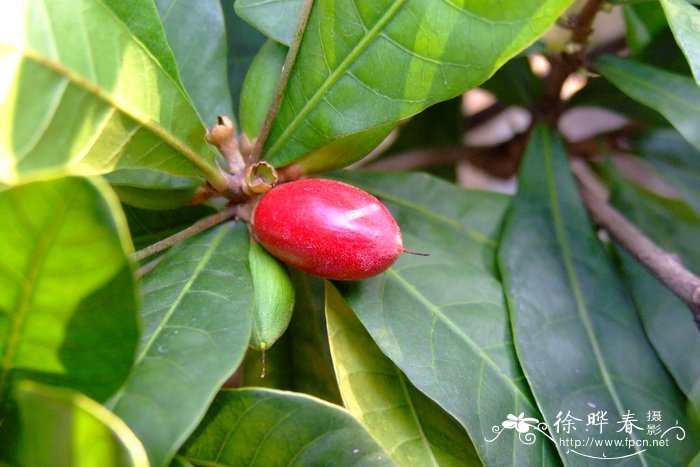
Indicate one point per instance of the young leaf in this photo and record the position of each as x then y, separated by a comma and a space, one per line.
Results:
105, 102
259, 87
577, 334
196, 314
684, 20
261, 427
200, 51
68, 304
277, 19
243, 43
442, 319
364, 64
63, 428
408, 425
676, 97
667, 320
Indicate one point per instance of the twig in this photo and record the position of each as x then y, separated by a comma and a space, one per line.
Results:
658, 262
283, 80
551, 105
148, 267
199, 226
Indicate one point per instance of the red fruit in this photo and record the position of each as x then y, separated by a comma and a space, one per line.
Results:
328, 229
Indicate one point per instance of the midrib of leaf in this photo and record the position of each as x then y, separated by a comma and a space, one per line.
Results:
414, 416
34, 268
474, 234
335, 75
466, 339
180, 146
581, 307
622, 74
270, 430
232, 430
185, 289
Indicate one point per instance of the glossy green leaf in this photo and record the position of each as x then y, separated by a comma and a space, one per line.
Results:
576, 330
676, 97
299, 361
367, 63
68, 302
197, 36
105, 101
147, 226
261, 427
667, 320
196, 313
442, 319
141, 17
643, 22
674, 159
148, 189
63, 428
259, 87
68, 307
243, 43
408, 425
277, 19
684, 20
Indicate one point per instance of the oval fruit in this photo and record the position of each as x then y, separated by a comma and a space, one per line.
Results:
328, 229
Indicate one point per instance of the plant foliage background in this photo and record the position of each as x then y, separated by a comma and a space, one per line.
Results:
522, 306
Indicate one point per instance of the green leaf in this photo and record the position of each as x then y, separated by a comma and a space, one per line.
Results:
408, 425
684, 20
63, 428
261, 427
299, 361
674, 159
147, 226
148, 189
243, 44
367, 63
442, 319
577, 334
277, 19
68, 305
667, 320
105, 101
196, 314
197, 35
643, 22
259, 87
68, 308
676, 97
141, 17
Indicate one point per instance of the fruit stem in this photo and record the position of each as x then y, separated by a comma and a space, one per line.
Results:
199, 226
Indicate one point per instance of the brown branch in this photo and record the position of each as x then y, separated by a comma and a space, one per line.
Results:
663, 265
199, 226
566, 63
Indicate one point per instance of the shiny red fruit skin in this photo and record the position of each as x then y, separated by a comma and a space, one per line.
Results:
327, 228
